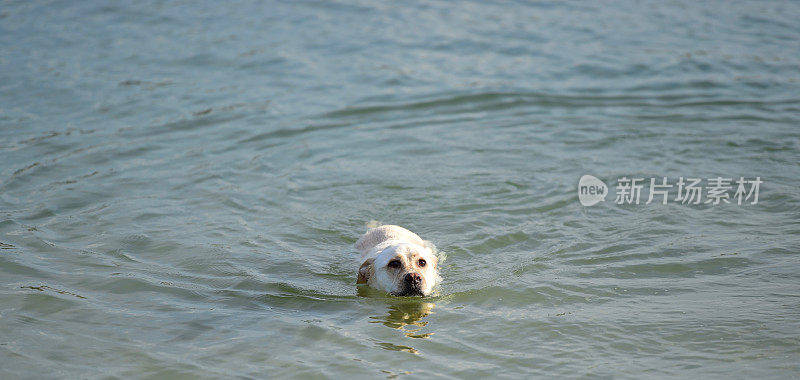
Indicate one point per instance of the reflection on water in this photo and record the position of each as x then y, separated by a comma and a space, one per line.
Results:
408, 317
406, 314
397, 347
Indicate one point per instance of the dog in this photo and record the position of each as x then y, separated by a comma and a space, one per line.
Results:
397, 261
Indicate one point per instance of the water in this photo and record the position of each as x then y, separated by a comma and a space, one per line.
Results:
181, 185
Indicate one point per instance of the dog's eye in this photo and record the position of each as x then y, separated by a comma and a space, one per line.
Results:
421, 262
394, 264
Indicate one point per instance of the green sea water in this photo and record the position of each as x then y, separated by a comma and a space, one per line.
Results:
181, 184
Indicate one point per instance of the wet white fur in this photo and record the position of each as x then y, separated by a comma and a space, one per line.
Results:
384, 243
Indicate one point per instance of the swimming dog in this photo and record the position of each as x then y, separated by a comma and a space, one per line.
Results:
397, 261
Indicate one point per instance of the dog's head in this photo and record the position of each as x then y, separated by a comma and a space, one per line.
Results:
402, 269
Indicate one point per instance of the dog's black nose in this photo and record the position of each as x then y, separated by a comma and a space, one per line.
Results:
413, 280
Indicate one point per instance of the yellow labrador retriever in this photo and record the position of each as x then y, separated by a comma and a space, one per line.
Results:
397, 261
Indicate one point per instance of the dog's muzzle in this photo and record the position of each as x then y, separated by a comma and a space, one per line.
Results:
412, 285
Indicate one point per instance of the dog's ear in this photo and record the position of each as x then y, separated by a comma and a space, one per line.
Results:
365, 271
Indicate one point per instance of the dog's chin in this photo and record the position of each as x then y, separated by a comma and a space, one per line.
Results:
411, 292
